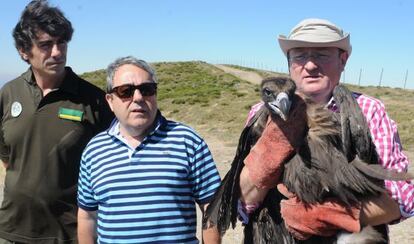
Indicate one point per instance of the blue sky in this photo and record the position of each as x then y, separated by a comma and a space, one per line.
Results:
240, 32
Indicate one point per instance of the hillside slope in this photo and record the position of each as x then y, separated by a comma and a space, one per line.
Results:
206, 97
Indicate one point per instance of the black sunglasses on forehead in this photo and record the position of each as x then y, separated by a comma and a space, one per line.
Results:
127, 90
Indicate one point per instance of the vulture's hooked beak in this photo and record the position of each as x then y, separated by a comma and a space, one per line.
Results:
281, 105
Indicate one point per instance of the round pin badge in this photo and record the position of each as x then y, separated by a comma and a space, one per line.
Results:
16, 109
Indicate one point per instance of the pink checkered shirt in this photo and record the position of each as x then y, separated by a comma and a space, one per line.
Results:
387, 141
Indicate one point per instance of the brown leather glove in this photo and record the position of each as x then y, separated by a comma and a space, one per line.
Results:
277, 143
324, 219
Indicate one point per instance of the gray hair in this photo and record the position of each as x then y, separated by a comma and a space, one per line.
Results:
110, 71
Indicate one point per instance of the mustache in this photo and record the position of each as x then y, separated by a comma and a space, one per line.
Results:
52, 61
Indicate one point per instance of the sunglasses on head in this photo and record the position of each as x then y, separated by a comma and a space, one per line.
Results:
127, 91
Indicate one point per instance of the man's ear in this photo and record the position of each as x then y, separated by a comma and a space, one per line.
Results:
109, 99
23, 54
343, 59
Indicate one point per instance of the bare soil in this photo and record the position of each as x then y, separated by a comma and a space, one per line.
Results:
245, 75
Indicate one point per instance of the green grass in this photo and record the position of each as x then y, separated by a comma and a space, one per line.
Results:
217, 103
97, 77
205, 97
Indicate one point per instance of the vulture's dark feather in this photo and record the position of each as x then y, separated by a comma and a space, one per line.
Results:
337, 158
266, 225
356, 135
223, 209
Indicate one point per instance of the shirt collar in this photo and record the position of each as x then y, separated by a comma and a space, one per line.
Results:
331, 105
160, 121
70, 82
334, 107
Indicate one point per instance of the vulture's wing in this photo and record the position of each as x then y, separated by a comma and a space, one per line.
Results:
357, 140
356, 136
223, 209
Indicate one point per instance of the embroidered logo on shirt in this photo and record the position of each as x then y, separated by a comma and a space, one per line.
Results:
16, 109
70, 114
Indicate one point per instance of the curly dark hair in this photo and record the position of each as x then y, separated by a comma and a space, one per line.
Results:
39, 16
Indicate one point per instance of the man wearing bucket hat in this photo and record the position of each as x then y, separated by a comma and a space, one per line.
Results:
317, 51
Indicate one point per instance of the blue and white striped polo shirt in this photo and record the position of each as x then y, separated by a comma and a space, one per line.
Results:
147, 194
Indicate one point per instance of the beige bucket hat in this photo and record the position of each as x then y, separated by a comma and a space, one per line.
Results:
315, 33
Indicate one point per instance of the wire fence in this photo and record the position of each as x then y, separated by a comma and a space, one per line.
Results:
355, 77
395, 83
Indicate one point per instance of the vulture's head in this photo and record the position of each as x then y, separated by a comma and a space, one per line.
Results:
277, 94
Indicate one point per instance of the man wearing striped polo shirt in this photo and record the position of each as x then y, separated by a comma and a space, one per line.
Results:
140, 179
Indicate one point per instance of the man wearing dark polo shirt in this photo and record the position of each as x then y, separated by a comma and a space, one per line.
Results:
48, 114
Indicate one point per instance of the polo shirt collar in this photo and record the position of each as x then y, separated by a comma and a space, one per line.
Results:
70, 82
114, 127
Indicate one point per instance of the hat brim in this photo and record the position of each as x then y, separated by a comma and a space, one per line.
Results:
287, 44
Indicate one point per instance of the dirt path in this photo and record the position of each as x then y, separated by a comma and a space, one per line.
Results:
252, 77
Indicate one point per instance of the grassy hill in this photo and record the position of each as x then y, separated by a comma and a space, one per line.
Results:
206, 98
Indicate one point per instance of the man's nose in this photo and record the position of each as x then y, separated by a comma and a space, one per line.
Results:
137, 96
57, 50
311, 63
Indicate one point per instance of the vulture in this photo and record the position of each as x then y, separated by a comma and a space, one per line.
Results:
336, 158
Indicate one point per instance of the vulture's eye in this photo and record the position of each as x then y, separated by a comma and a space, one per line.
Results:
267, 92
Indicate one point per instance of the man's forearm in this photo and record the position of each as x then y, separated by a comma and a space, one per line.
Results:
380, 210
249, 193
86, 227
211, 236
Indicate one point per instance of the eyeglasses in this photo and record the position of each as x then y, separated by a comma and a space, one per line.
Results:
302, 57
127, 91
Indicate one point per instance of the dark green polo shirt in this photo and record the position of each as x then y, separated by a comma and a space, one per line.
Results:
42, 139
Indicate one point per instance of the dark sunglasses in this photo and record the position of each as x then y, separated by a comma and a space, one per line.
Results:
127, 91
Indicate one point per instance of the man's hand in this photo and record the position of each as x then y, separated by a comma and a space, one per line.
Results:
379, 210
209, 235
322, 219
